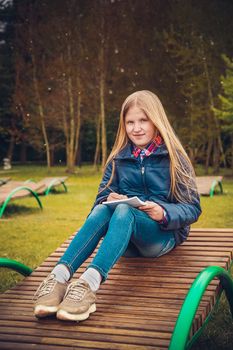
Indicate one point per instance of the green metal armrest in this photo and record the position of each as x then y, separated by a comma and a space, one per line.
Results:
16, 266
187, 313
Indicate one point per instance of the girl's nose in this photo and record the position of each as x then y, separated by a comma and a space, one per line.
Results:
137, 127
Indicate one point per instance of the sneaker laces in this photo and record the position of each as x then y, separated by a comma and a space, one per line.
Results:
45, 287
76, 291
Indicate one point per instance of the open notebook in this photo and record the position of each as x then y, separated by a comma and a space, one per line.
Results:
134, 202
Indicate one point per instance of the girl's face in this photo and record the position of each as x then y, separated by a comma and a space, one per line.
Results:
139, 128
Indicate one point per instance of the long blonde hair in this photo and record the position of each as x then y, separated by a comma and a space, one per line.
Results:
181, 170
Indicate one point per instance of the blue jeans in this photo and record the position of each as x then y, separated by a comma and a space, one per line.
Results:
126, 230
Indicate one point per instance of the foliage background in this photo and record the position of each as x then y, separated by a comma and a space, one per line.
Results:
66, 67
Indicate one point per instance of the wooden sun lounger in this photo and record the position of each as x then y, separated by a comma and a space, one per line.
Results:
50, 183
4, 180
138, 306
18, 189
206, 184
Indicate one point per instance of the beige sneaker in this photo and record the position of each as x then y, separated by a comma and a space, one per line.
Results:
78, 303
48, 296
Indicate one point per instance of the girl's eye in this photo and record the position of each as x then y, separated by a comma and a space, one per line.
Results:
143, 120
129, 122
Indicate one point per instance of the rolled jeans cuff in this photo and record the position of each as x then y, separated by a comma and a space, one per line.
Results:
101, 271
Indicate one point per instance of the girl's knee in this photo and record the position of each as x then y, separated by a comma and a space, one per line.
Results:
101, 209
100, 212
122, 209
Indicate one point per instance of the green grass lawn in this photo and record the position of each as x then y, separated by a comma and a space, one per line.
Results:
30, 235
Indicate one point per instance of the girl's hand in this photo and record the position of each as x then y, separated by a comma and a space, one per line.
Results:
115, 196
154, 210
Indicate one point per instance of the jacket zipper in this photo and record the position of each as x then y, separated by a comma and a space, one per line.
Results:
143, 178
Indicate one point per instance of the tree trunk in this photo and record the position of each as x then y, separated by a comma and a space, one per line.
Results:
78, 120
52, 152
70, 164
97, 149
79, 156
39, 102
102, 107
209, 149
11, 148
65, 124
211, 100
75, 119
191, 155
232, 153
23, 152
216, 157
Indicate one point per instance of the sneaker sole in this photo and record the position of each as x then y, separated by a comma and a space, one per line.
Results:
66, 316
43, 311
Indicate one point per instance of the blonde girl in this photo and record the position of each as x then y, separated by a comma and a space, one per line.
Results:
147, 161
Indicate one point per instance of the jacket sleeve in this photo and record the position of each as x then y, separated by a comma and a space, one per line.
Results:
104, 191
181, 214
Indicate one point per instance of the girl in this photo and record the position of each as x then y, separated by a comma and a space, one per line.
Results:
148, 161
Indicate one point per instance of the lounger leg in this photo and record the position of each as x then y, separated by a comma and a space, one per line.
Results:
64, 185
212, 188
50, 186
220, 186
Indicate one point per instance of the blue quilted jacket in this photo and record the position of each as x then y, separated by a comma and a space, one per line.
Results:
150, 180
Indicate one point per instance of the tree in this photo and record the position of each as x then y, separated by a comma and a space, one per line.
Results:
29, 64
192, 70
69, 64
187, 58
225, 110
52, 93
100, 53
8, 125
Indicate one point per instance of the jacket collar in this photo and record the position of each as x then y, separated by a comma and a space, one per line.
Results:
126, 152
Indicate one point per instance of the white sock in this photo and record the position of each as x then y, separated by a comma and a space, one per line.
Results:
62, 273
93, 278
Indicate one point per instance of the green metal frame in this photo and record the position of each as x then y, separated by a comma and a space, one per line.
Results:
16, 266
29, 181
17, 189
215, 182
187, 313
50, 186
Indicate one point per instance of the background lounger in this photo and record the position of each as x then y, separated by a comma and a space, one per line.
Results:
17, 189
4, 180
51, 183
206, 184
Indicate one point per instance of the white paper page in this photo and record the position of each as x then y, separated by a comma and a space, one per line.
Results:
133, 202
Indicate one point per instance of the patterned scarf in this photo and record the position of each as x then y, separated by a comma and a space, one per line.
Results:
151, 148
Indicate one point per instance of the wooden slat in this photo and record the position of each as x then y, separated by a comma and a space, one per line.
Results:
47, 181
6, 190
136, 308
